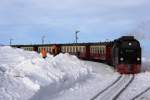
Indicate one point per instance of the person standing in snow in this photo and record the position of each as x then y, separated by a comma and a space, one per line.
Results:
44, 53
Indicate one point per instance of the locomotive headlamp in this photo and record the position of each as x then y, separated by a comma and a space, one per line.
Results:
130, 43
138, 59
121, 59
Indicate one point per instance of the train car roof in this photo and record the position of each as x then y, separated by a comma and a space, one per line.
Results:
66, 44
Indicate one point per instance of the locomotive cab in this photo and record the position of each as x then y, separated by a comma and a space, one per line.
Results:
127, 55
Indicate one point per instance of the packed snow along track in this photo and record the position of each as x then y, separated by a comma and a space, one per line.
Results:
106, 88
113, 92
139, 96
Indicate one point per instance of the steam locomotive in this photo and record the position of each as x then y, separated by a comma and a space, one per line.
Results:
124, 54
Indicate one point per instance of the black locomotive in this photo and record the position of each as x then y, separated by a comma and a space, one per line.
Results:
126, 55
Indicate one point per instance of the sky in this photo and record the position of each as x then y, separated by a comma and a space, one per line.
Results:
26, 21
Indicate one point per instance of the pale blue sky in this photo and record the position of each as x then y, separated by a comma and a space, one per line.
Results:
27, 20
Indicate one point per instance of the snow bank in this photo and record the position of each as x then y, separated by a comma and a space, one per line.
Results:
24, 75
145, 64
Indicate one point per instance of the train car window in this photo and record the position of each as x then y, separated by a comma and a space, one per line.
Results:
50, 49
99, 50
84, 49
80, 49
67, 49
73, 49
93, 49
45, 48
70, 49
103, 50
76, 48
96, 49
63, 49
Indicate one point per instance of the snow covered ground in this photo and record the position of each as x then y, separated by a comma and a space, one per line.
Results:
145, 64
25, 75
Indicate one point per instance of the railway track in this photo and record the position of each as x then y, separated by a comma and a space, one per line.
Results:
139, 96
113, 91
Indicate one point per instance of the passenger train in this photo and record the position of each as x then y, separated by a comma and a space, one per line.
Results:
124, 54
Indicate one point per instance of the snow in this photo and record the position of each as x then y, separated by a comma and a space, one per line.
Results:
145, 64
25, 75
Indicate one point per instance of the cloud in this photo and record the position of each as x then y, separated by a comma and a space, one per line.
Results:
94, 18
